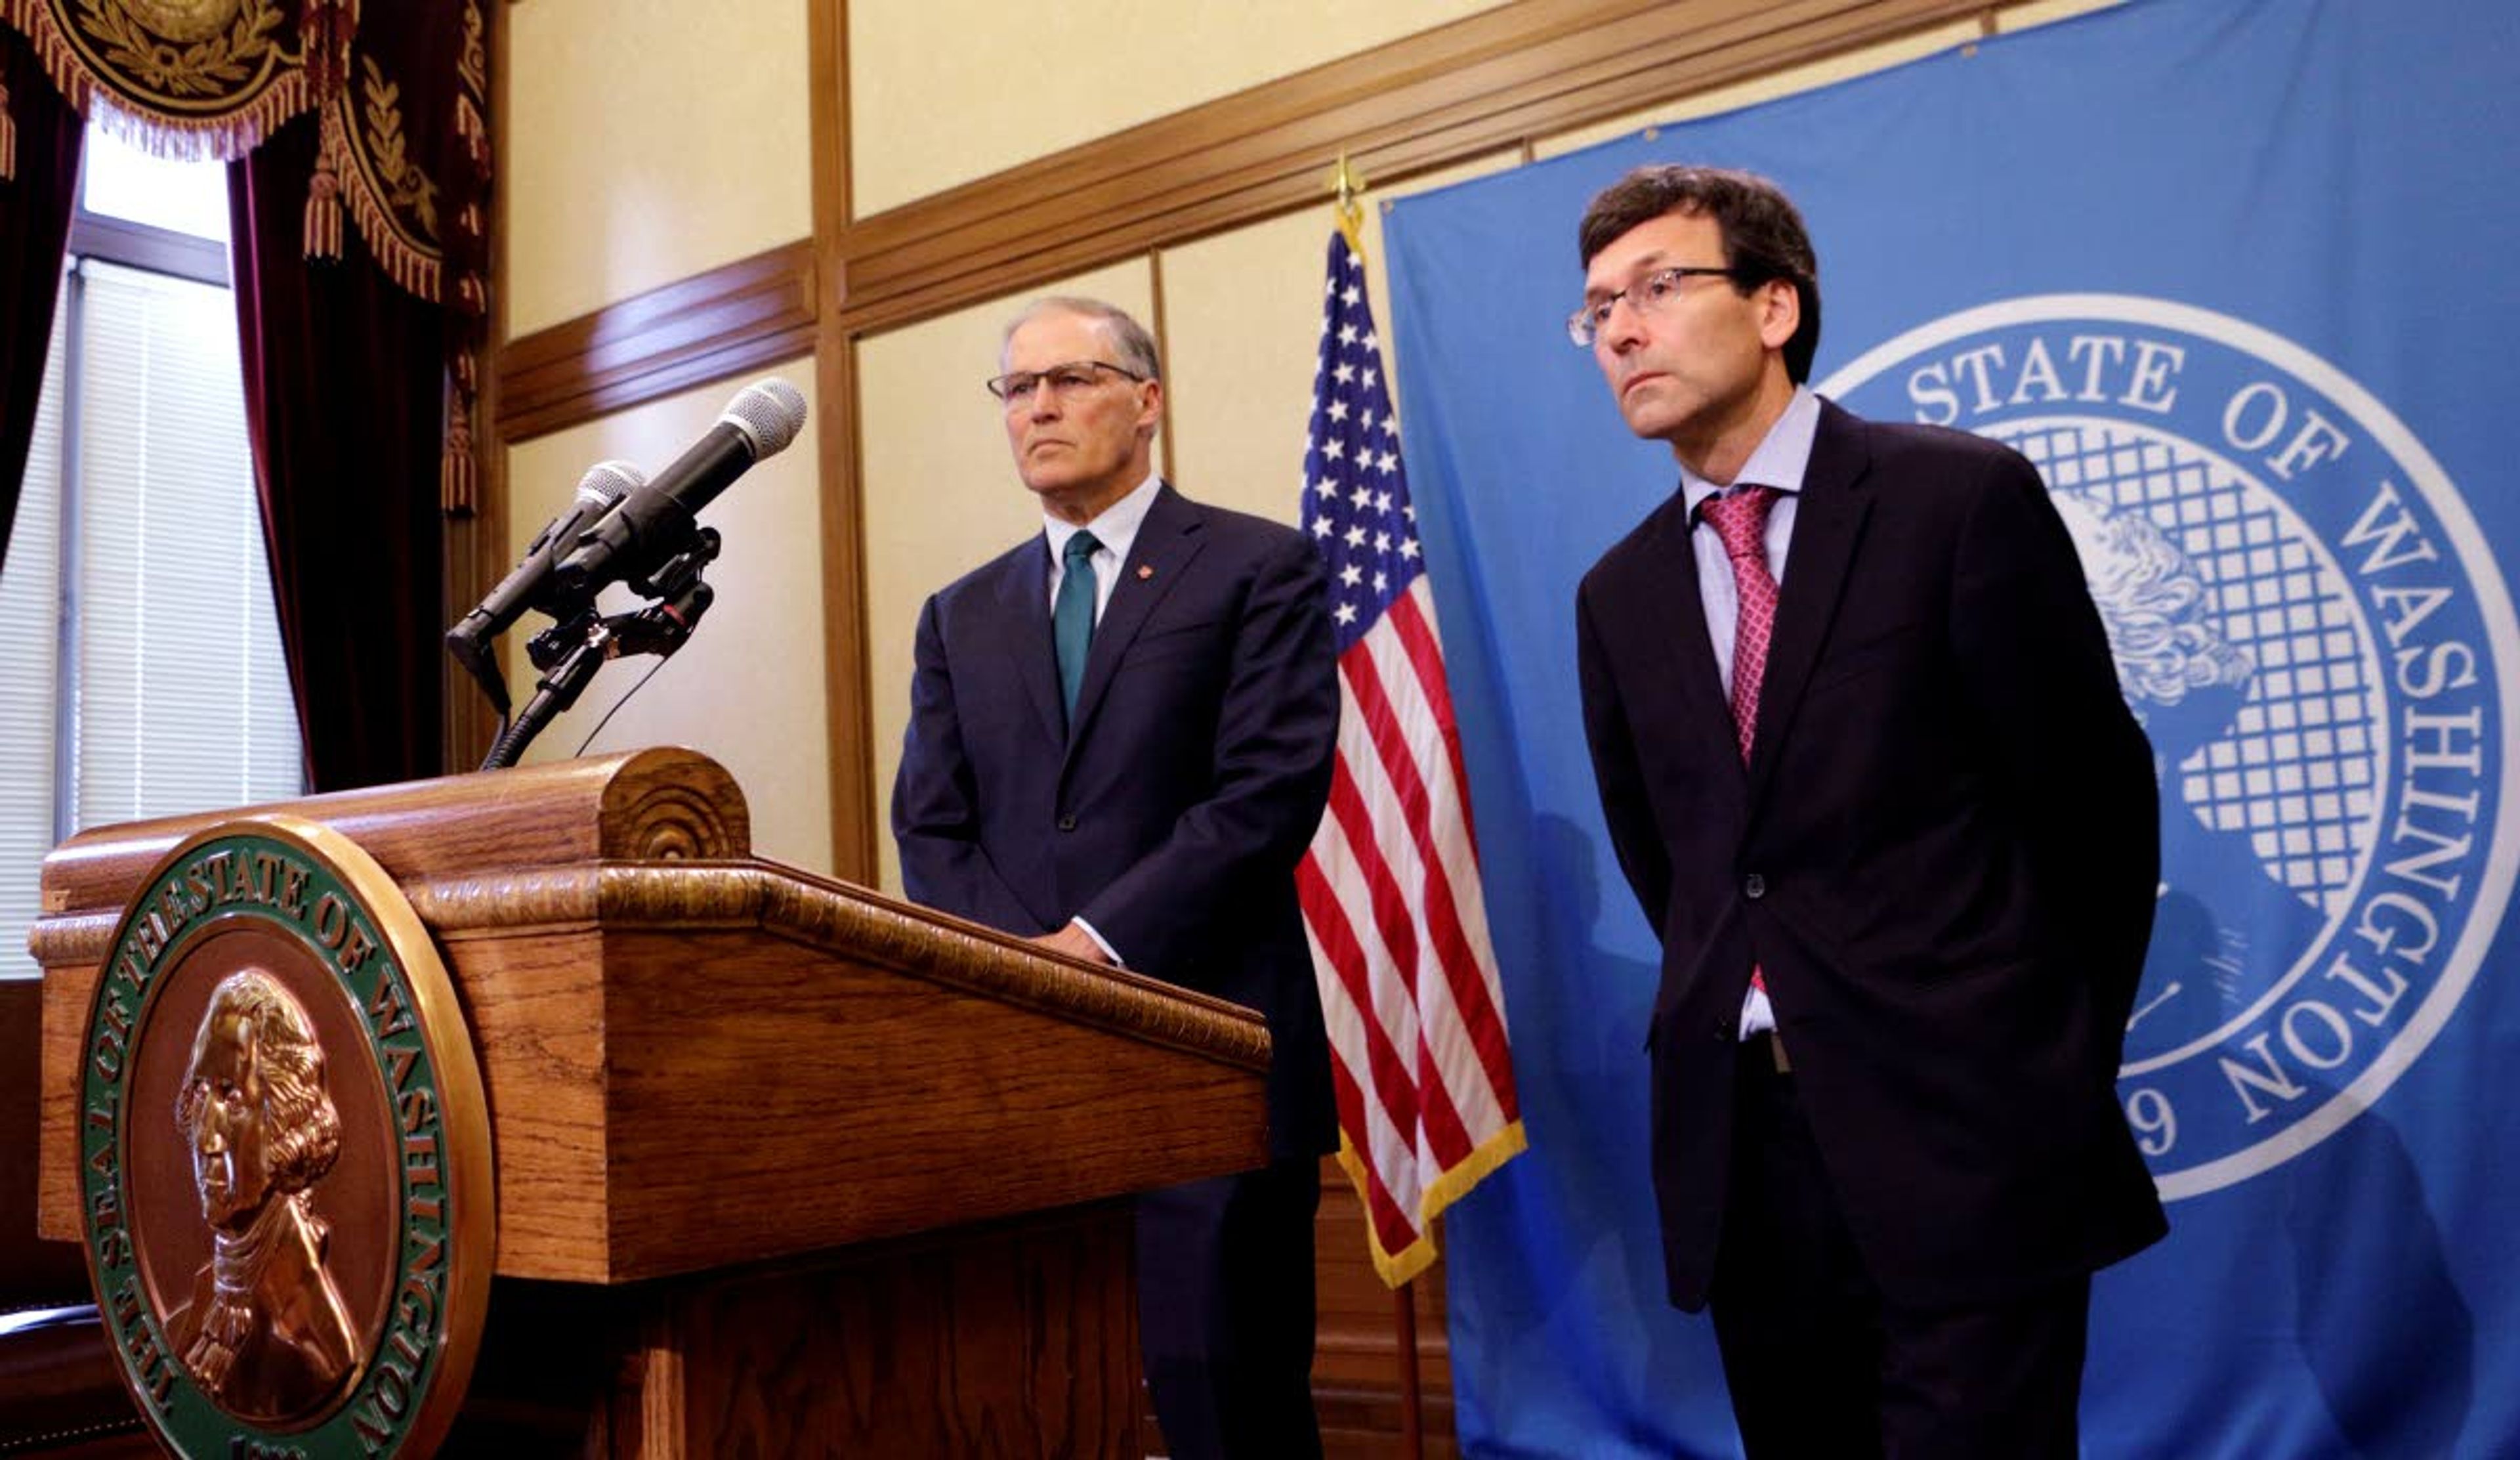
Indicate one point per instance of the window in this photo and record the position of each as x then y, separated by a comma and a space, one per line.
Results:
138, 642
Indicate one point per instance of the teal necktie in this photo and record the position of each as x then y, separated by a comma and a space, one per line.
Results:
1071, 617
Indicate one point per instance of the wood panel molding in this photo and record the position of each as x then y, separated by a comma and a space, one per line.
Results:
857, 815
739, 316
1525, 69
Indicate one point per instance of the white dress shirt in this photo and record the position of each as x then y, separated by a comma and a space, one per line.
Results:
1115, 527
1778, 461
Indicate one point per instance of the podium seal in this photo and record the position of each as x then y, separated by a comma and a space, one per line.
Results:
285, 1185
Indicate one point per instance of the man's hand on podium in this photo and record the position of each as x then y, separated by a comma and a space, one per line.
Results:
1074, 942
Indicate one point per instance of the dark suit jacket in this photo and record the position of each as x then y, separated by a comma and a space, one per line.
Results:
1943, 853
1173, 817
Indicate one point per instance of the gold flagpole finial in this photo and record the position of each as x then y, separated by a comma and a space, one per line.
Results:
1346, 186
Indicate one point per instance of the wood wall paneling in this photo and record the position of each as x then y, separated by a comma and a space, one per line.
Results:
752, 312
1357, 1357
1493, 80
856, 812
1433, 98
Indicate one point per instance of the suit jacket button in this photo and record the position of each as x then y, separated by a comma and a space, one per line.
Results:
1754, 886
1723, 1031
1068, 823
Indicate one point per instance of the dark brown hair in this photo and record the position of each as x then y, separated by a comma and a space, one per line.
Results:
1763, 234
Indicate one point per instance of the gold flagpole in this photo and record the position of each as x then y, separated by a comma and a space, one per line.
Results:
1346, 185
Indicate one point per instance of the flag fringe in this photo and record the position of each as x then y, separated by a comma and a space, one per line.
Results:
1453, 1185
1396, 1268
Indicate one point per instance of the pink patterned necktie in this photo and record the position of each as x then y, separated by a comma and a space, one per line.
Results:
1740, 522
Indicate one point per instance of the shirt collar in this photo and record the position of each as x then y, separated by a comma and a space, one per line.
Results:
1115, 527
1779, 459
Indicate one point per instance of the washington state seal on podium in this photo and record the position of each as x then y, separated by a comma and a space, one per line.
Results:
284, 1155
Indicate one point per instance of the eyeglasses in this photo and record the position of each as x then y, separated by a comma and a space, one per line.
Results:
1649, 295
1016, 388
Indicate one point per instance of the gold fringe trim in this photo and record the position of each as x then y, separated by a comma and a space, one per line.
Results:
182, 137
1475, 1167
1396, 1268
8, 140
409, 263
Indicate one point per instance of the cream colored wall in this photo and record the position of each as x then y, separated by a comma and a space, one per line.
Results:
1243, 324
749, 687
944, 91
645, 141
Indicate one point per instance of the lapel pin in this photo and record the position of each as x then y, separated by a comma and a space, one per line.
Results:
1145, 571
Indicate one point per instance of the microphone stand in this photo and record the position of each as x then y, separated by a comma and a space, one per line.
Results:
572, 649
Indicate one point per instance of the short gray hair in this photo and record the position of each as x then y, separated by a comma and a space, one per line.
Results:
1129, 338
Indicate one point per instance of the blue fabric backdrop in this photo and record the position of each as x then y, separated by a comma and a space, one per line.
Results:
2241, 277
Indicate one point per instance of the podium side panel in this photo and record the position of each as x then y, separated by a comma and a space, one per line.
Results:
770, 1098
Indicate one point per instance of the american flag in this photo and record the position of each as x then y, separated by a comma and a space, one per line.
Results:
1390, 886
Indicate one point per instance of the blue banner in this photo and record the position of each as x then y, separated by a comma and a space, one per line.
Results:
2243, 280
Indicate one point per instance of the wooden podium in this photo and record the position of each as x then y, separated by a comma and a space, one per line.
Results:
783, 1166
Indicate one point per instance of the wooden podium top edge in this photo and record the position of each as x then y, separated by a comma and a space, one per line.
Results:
661, 804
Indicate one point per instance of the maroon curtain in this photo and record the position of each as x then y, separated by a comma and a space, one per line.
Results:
35, 207
344, 383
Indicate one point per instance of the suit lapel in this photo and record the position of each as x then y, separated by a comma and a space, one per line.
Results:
1828, 520
1166, 541
1679, 610
1023, 598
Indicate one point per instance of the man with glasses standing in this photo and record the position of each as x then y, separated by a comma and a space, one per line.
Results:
1859, 741
1120, 742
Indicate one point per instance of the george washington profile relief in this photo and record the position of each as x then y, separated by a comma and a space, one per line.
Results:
266, 1332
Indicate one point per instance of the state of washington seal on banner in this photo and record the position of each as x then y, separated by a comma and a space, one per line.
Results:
2311, 627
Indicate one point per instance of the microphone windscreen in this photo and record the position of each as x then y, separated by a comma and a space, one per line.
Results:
608, 482
770, 413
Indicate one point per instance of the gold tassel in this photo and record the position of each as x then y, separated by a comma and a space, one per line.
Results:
323, 207
455, 477
8, 139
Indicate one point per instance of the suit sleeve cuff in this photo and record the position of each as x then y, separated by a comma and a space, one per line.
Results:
1101, 942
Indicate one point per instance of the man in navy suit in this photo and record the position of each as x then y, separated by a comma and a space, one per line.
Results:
1862, 749
1121, 743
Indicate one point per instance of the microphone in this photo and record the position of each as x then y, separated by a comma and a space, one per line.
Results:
647, 527
602, 486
